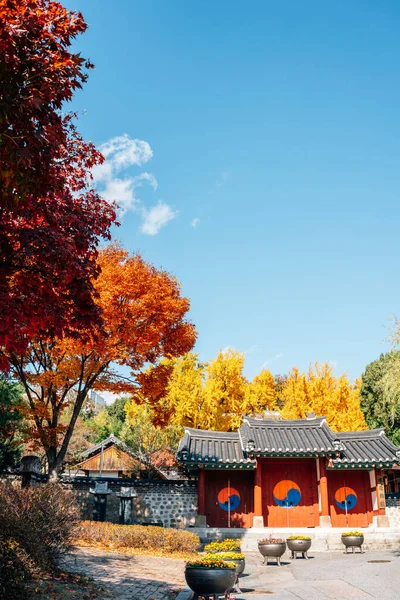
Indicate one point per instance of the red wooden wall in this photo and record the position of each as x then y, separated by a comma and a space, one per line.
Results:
240, 485
350, 501
290, 493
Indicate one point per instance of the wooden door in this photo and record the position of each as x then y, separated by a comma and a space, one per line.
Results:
350, 501
290, 496
229, 498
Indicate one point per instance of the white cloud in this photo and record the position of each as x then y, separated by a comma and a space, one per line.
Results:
102, 172
251, 349
143, 177
156, 218
270, 360
124, 152
195, 222
228, 349
122, 191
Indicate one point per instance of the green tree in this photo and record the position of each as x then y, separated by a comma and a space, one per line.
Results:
116, 412
11, 398
146, 439
380, 394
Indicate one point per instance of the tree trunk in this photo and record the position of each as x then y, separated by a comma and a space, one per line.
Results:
53, 463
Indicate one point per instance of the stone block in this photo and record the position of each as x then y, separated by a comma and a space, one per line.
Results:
258, 521
325, 521
381, 521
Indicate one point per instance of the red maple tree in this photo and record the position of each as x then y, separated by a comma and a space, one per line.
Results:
51, 220
38, 74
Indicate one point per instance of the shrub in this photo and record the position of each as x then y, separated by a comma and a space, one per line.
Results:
16, 568
118, 537
211, 562
40, 519
353, 533
228, 545
271, 540
300, 537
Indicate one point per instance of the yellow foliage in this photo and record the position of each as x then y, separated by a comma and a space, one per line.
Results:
321, 392
260, 393
184, 399
224, 391
210, 396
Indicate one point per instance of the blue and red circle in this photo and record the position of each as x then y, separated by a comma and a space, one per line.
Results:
346, 498
287, 493
228, 499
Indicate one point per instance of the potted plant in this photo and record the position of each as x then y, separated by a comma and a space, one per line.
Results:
238, 559
272, 548
228, 545
210, 575
353, 540
299, 543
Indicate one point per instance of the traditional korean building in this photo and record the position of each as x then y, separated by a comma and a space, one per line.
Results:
112, 458
282, 473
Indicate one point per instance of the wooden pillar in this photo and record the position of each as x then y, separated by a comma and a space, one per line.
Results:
380, 493
201, 493
325, 519
258, 520
323, 486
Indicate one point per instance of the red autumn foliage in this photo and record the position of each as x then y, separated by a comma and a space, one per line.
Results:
144, 322
51, 220
38, 74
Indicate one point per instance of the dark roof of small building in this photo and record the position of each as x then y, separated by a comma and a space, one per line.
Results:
212, 448
285, 438
112, 439
269, 436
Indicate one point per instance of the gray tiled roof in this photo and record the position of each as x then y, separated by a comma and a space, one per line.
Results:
269, 436
199, 446
366, 447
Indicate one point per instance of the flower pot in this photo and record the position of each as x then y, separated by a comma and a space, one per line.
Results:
241, 563
272, 551
353, 542
207, 582
296, 546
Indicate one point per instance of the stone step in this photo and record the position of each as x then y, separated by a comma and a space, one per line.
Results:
323, 540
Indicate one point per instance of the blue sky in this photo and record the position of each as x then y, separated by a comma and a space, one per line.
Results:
266, 175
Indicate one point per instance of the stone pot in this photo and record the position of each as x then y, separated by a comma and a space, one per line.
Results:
272, 551
241, 563
208, 582
296, 546
353, 542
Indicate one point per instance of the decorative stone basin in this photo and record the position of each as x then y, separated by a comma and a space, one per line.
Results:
299, 546
241, 563
353, 542
209, 582
272, 551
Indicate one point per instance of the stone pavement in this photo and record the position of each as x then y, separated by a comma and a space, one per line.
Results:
130, 577
326, 576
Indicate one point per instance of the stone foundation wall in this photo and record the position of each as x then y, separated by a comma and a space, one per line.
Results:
393, 514
174, 503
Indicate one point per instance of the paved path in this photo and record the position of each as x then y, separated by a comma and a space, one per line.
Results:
130, 577
326, 576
